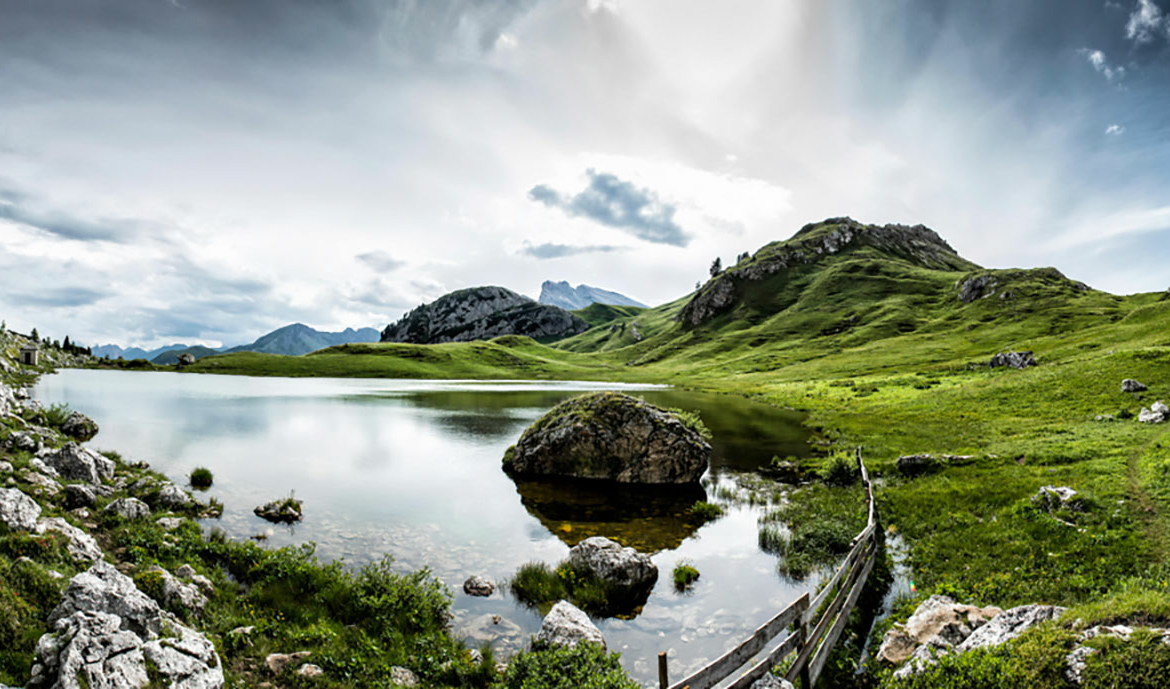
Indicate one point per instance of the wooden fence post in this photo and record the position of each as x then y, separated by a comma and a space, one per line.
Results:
663, 680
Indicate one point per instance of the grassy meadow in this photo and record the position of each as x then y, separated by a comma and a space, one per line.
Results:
880, 352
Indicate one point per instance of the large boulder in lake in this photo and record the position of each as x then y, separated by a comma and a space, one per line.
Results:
608, 435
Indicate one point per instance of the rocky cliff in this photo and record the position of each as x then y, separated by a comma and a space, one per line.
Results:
815, 242
481, 313
572, 298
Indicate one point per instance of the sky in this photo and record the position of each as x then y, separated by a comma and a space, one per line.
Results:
205, 171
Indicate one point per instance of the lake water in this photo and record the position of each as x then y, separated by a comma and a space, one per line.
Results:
412, 469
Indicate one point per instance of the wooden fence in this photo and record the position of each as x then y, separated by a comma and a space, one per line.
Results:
817, 622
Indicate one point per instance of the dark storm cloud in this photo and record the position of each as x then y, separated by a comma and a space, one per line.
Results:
56, 296
547, 251
421, 29
617, 203
380, 260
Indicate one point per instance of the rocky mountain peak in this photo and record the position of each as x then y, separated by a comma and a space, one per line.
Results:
813, 243
481, 313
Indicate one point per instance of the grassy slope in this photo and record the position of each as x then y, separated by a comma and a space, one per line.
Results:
881, 353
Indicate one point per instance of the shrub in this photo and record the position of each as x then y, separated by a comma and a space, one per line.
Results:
1141, 662
684, 575
706, 511
55, 414
201, 477
584, 666
840, 469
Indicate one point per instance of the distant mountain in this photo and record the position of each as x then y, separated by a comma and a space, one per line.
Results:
114, 351
481, 313
171, 356
572, 298
298, 339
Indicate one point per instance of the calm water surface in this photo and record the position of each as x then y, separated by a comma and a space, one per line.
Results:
412, 469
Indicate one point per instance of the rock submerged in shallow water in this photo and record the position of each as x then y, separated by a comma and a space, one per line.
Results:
284, 511
608, 435
567, 625
624, 568
478, 586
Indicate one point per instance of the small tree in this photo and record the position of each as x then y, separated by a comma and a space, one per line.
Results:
716, 266
66, 345
34, 336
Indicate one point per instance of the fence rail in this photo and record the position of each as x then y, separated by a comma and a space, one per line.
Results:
817, 622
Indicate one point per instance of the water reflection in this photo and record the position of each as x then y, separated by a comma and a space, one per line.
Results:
646, 518
412, 469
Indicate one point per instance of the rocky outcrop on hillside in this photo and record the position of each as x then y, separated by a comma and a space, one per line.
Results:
608, 435
940, 625
814, 242
107, 633
481, 313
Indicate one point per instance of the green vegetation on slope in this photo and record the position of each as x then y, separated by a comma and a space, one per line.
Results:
878, 348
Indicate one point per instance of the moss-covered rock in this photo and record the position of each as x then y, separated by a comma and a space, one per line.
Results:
612, 436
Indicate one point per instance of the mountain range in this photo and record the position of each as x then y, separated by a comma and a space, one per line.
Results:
572, 298
292, 340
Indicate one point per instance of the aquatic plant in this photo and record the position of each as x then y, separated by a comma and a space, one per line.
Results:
201, 477
684, 574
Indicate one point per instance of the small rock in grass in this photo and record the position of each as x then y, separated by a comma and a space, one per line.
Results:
403, 677
130, 508
1131, 385
310, 670
277, 662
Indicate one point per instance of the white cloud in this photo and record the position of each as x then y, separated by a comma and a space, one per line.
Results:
1145, 21
1098, 229
1115, 130
1101, 64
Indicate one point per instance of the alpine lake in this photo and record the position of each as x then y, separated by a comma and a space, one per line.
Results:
412, 469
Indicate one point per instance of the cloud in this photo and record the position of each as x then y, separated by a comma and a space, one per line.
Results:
617, 203
1115, 130
1101, 64
64, 225
1145, 21
380, 260
547, 251
57, 296
1101, 228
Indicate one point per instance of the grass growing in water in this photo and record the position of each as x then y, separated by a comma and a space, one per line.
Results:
684, 575
706, 511
537, 585
201, 477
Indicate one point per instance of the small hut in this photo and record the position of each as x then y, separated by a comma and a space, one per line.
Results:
29, 355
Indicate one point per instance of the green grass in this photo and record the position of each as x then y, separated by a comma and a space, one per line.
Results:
706, 511
201, 477
878, 351
684, 575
